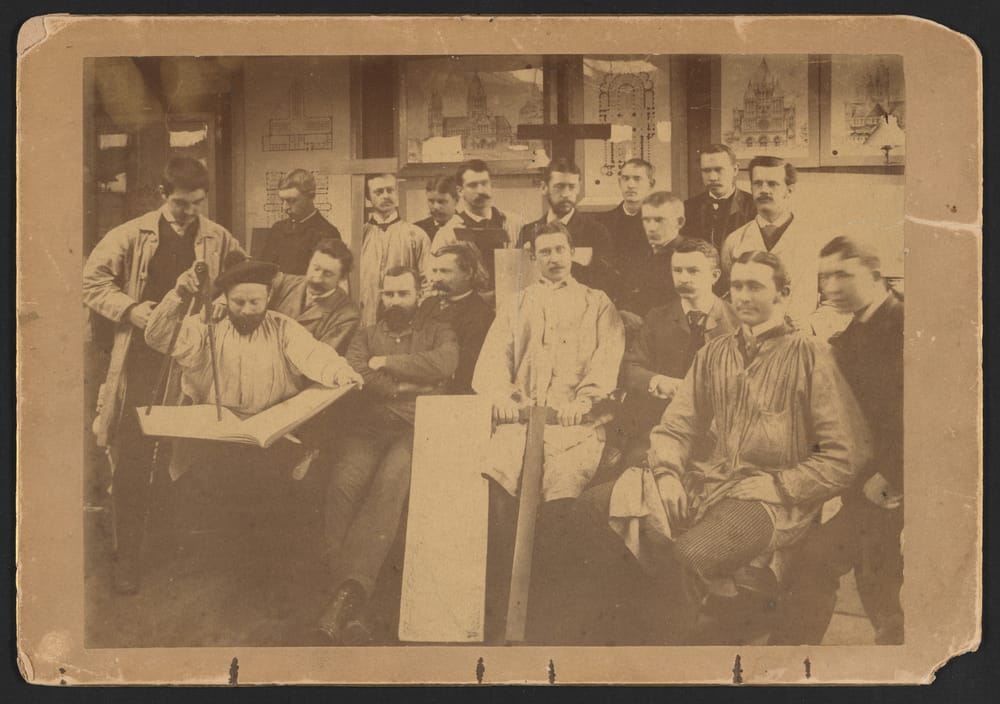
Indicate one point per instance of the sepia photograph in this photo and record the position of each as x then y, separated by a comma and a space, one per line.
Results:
435, 350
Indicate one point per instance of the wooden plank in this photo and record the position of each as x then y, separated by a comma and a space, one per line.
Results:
514, 270
444, 570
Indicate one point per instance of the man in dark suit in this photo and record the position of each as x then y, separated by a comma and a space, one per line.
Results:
655, 364
721, 207
865, 534
291, 241
594, 256
624, 223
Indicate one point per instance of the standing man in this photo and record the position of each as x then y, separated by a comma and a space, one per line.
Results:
126, 275
442, 200
594, 266
624, 223
399, 360
649, 284
772, 181
387, 242
475, 209
316, 300
721, 207
655, 365
457, 276
865, 533
291, 241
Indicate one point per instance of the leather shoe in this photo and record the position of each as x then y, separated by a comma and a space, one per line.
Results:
344, 608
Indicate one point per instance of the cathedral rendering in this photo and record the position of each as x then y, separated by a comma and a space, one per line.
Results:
766, 120
478, 128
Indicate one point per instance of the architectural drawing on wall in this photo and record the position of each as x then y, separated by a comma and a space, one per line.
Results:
273, 211
472, 112
866, 92
765, 107
627, 99
298, 131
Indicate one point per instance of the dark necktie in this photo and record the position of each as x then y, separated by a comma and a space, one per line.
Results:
751, 346
696, 321
384, 225
770, 235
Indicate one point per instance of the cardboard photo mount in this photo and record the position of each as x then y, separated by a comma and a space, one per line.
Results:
943, 353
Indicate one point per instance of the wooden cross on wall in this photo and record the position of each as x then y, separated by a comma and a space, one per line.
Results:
563, 134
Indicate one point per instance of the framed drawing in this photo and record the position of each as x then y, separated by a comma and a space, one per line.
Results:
768, 106
864, 123
458, 108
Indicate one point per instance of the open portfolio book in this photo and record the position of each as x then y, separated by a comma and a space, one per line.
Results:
200, 422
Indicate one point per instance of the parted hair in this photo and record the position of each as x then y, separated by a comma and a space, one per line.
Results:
696, 244
369, 177
477, 165
781, 278
791, 175
636, 161
848, 248
184, 173
445, 185
720, 149
299, 179
469, 259
561, 166
549, 228
338, 250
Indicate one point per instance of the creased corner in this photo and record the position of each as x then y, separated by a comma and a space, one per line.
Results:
34, 31
25, 667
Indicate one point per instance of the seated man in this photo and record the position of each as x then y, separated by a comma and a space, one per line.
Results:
316, 300
865, 534
559, 346
761, 432
656, 363
399, 359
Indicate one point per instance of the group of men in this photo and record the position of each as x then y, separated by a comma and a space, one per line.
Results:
697, 425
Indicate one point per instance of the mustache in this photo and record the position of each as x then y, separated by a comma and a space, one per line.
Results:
764, 199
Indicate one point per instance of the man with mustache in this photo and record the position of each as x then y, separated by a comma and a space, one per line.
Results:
399, 358
457, 276
624, 223
387, 242
475, 207
721, 207
442, 202
317, 300
559, 345
125, 277
654, 366
772, 181
291, 241
593, 263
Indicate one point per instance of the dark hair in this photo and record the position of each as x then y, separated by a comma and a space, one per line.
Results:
549, 228
369, 177
771, 161
338, 250
851, 249
184, 173
560, 165
658, 198
470, 165
781, 278
636, 161
720, 149
299, 179
445, 185
695, 244
469, 259
395, 271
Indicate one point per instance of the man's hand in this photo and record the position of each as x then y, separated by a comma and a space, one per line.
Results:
572, 413
674, 497
881, 493
631, 321
219, 309
757, 488
187, 283
664, 386
348, 376
506, 410
376, 363
408, 387
138, 314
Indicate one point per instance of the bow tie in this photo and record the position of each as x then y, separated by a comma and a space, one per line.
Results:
696, 319
383, 225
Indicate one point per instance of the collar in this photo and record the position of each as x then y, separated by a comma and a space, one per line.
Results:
762, 223
660, 248
377, 219
478, 218
551, 217
866, 313
307, 217
456, 299
310, 297
636, 214
725, 197
552, 286
777, 319
180, 230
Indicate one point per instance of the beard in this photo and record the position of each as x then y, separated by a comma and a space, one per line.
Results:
246, 324
397, 318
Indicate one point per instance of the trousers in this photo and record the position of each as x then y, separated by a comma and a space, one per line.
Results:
862, 537
366, 497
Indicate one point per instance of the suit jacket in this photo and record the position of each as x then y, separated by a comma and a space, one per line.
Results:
701, 220
664, 347
649, 283
332, 320
586, 231
470, 318
870, 356
290, 245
